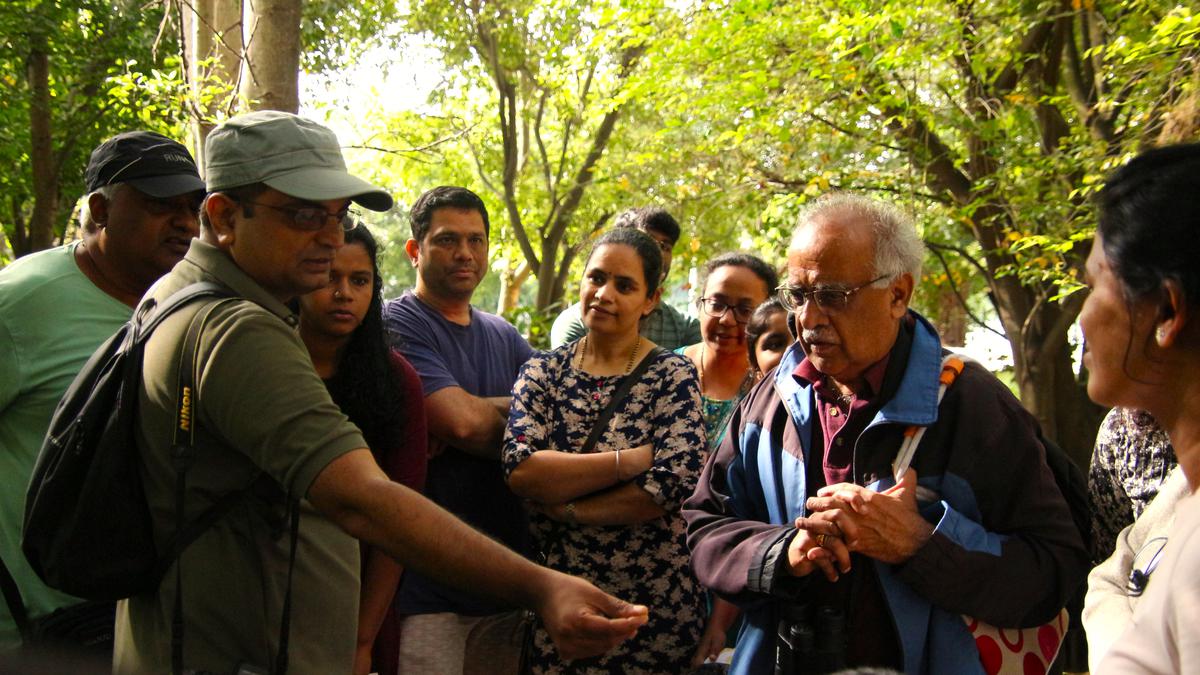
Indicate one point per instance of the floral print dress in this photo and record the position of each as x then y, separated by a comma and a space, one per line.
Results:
554, 407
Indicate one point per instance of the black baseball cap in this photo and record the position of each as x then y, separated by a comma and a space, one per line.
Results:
150, 162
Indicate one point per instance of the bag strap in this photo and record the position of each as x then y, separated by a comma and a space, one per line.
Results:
183, 449
16, 605
952, 367
285, 623
183, 454
618, 396
150, 313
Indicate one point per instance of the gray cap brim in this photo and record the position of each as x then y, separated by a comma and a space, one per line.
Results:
321, 184
168, 186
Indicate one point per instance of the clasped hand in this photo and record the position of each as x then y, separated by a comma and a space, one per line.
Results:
847, 518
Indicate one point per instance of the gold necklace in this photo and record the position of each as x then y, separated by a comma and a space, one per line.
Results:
582, 351
628, 364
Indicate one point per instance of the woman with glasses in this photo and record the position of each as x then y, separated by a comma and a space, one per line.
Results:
733, 285
1141, 326
342, 326
610, 512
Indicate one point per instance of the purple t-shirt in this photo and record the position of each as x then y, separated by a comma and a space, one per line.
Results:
483, 359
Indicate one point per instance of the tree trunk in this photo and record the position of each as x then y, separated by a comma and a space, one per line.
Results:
271, 69
511, 281
42, 159
212, 32
1050, 390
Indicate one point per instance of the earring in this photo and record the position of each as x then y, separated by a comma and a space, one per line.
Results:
1161, 334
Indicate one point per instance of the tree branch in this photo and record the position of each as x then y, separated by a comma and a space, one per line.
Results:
849, 132
961, 300
418, 149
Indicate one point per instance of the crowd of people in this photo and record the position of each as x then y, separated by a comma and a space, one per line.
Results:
796, 472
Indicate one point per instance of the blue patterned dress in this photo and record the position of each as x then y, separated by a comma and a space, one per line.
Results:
554, 407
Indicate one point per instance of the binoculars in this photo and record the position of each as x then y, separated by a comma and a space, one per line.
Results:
810, 640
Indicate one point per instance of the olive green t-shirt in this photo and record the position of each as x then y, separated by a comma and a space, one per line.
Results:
260, 407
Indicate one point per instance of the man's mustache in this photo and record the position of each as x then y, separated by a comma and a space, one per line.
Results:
810, 336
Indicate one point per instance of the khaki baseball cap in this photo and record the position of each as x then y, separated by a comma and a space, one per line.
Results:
289, 153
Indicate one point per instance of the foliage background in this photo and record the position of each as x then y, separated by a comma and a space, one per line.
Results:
992, 122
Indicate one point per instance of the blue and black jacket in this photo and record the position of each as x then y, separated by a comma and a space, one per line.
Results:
1005, 549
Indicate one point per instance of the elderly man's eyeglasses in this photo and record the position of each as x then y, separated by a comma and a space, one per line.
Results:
828, 299
717, 309
312, 218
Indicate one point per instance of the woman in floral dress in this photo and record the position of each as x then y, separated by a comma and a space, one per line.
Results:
611, 515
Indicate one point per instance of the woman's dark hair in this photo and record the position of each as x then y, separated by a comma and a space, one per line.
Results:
761, 269
650, 219
365, 385
759, 324
1150, 221
1150, 226
642, 244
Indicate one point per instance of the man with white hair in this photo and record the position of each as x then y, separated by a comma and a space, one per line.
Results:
798, 517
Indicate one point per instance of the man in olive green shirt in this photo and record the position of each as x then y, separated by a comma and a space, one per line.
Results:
270, 228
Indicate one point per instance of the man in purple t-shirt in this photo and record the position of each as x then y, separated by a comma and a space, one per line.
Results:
468, 361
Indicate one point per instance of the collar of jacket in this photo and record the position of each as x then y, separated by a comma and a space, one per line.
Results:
915, 401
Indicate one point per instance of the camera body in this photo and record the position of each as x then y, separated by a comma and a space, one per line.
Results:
810, 639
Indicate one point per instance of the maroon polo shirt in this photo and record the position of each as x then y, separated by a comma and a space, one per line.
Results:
840, 424
871, 636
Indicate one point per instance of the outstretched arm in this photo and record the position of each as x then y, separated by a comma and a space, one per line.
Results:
354, 493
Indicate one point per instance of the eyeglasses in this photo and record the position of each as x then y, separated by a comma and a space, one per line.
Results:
717, 309
828, 299
313, 218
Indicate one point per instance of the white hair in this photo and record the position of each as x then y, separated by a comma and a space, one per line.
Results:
86, 223
898, 248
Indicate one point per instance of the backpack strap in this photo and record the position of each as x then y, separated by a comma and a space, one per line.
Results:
150, 313
16, 605
952, 367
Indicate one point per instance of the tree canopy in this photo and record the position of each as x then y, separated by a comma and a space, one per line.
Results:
993, 122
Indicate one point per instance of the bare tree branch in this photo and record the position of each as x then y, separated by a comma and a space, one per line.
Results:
961, 300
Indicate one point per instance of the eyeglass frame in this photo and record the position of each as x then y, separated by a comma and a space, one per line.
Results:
348, 218
737, 310
786, 294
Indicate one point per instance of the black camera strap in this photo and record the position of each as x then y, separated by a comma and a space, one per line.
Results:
183, 454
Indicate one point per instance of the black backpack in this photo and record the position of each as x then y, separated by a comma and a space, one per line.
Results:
87, 527
88, 530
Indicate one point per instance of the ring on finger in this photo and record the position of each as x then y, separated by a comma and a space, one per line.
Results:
821, 540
